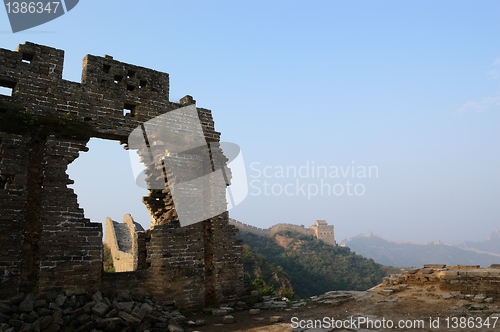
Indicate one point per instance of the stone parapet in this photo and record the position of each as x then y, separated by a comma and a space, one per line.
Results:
321, 231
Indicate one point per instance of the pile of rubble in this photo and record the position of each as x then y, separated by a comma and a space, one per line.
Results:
225, 312
58, 311
333, 298
123, 311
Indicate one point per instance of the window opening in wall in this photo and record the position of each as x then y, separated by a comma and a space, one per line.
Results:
27, 58
142, 84
130, 87
7, 88
118, 78
131, 74
4, 91
106, 68
129, 110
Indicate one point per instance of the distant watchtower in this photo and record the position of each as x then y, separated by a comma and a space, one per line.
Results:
324, 232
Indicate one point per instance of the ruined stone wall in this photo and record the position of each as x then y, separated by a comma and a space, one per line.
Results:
70, 246
46, 241
466, 279
132, 281
200, 262
14, 155
176, 264
124, 255
108, 88
124, 239
227, 260
134, 230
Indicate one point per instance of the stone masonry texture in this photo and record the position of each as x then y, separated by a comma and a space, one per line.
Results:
47, 243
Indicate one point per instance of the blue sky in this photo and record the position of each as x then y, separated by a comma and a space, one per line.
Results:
410, 87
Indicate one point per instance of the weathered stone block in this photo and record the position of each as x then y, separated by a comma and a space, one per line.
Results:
129, 318
4, 308
254, 311
434, 266
173, 326
26, 305
100, 309
219, 312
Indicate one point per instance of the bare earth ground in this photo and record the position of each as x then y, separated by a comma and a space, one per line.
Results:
414, 303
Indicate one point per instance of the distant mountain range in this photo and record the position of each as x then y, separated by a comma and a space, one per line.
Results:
490, 245
406, 254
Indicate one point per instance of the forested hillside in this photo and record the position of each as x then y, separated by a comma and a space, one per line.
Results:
313, 266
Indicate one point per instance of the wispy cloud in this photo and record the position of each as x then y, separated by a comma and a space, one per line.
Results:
480, 106
495, 72
491, 102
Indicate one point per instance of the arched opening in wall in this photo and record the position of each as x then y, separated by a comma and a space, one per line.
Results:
107, 191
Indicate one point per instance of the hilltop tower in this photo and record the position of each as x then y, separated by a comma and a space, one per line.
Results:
324, 232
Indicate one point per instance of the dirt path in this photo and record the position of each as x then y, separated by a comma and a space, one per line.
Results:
412, 307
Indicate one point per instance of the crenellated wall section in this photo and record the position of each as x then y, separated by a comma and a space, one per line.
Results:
320, 230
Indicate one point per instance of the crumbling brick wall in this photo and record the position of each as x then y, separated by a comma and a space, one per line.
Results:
46, 241
175, 263
15, 151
